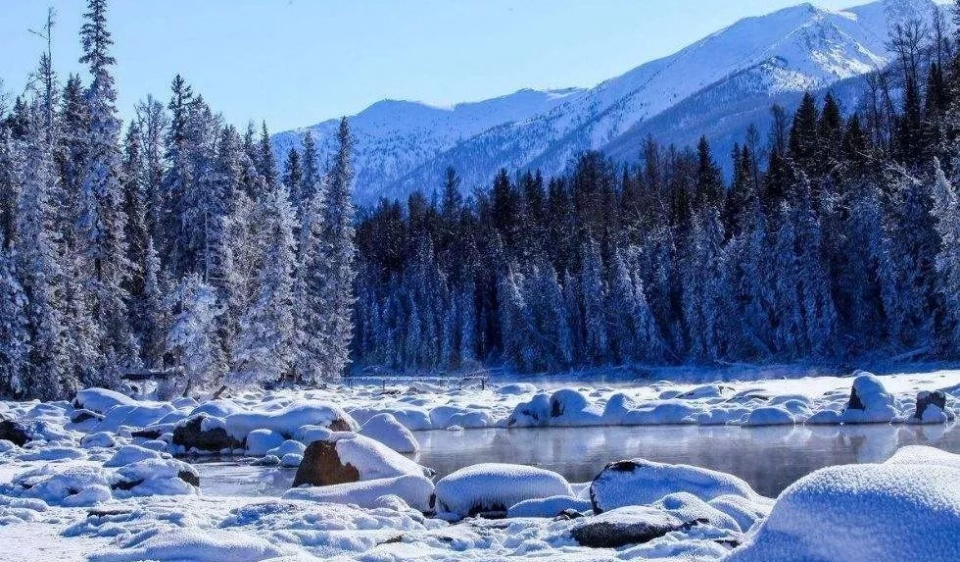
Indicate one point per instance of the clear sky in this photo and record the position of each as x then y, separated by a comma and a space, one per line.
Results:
297, 62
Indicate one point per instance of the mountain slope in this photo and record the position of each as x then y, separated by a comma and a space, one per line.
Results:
715, 86
394, 137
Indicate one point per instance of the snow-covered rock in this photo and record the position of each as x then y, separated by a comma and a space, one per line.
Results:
386, 429
642, 482
493, 488
905, 509
101, 399
259, 441
869, 402
205, 433
416, 491
626, 525
350, 457
548, 507
286, 421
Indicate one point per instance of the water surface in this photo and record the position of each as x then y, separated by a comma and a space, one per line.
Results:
769, 458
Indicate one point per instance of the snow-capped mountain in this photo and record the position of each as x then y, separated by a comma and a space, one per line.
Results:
715, 86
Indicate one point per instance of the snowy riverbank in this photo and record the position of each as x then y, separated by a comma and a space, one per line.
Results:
107, 478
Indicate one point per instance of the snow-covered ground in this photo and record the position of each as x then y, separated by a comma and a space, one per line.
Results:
109, 478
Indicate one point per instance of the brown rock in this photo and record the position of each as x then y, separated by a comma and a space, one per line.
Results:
322, 466
13, 431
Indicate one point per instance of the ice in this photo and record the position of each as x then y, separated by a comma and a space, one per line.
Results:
495, 487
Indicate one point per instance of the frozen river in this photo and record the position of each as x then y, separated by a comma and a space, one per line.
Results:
769, 458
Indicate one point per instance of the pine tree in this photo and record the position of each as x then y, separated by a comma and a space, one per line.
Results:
265, 348
14, 332
191, 339
337, 258
946, 209
38, 252
102, 242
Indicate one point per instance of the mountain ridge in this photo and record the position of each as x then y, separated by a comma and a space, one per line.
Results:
777, 55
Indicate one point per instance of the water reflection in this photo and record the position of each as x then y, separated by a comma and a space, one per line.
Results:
769, 458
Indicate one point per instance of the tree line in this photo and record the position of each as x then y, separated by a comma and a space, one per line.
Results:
173, 245
835, 238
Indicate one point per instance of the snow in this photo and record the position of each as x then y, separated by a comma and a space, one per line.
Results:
414, 490
906, 509
101, 399
386, 429
372, 459
259, 441
195, 545
147, 509
548, 507
493, 487
286, 421
641, 482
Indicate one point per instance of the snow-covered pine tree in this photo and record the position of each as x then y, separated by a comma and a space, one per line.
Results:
38, 251
14, 332
337, 257
596, 342
192, 337
265, 347
101, 232
946, 209
311, 341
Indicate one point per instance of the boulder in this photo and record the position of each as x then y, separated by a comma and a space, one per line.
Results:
204, 433
925, 399
343, 458
624, 526
13, 431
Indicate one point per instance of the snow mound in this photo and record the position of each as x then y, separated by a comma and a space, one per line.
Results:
908, 509
259, 441
416, 491
493, 488
642, 482
548, 507
287, 420
195, 545
100, 400
386, 429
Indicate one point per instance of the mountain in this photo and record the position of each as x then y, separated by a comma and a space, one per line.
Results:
394, 137
716, 86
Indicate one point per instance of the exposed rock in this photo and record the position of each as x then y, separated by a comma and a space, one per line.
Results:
623, 526
194, 433
322, 466
936, 398
567, 515
13, 431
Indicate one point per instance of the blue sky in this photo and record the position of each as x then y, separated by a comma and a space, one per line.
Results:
297, 62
